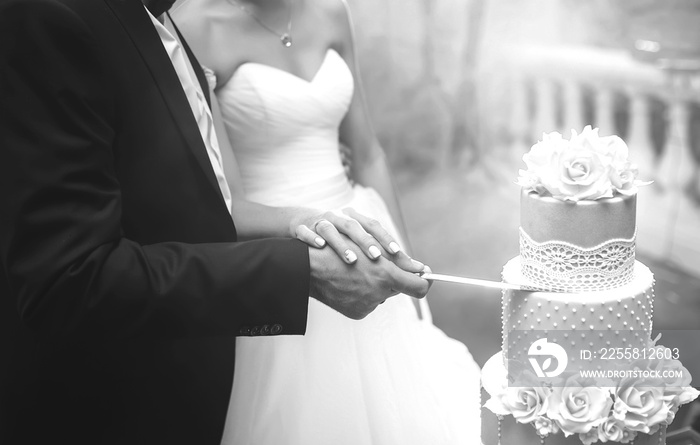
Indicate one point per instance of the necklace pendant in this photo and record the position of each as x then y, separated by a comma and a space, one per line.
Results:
286, 40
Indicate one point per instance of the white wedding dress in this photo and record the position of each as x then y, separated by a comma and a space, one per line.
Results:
388, 379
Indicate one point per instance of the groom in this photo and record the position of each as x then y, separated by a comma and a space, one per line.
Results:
123, 286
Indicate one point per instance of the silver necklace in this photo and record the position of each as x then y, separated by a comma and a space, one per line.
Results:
285, 38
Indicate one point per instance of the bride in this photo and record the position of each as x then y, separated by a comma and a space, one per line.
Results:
288, 88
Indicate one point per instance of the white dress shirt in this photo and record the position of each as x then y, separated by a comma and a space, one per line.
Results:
195, 96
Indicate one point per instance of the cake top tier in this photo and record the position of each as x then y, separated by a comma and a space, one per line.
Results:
585, 167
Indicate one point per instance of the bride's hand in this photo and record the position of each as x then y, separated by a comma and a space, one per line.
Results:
372, 238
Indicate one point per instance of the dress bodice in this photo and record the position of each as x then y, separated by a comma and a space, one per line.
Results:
284, 132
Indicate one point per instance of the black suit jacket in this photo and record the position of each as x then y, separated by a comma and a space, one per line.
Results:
124, 286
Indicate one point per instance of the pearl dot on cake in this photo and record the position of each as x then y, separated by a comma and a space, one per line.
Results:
500, 418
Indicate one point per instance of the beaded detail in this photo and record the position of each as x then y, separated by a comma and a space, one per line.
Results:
563, 266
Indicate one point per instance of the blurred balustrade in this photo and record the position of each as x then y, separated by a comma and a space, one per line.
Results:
654, 108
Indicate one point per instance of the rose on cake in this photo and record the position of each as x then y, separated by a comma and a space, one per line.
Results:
579, 406
676, 388
585, 167
613, 430
639, 406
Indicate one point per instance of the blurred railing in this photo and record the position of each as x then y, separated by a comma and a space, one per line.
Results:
654, 109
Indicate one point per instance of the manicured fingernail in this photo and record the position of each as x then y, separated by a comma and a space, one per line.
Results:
394, 247
350, 256
374, 252
320, 242
418, 264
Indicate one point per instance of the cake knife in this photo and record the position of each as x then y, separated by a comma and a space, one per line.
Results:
483, 283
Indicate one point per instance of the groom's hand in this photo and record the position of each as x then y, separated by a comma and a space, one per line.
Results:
357, 289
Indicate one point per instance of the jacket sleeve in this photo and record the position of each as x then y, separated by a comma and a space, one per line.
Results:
70, 269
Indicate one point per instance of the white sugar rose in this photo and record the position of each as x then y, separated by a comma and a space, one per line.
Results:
525, 404
583, 174
675, 397
640, 407
671, 376
623, 179
577, 407
661, 368
613, 430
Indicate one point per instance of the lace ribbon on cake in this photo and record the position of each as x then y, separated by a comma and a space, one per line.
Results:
563, 266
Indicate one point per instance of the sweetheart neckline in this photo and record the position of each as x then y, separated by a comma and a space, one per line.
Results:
280, 70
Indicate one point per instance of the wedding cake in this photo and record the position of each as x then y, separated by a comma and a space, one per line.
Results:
584, 301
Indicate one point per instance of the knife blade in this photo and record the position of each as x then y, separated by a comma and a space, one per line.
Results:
482, 283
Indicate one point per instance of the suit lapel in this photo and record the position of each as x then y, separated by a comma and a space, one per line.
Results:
135, 20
